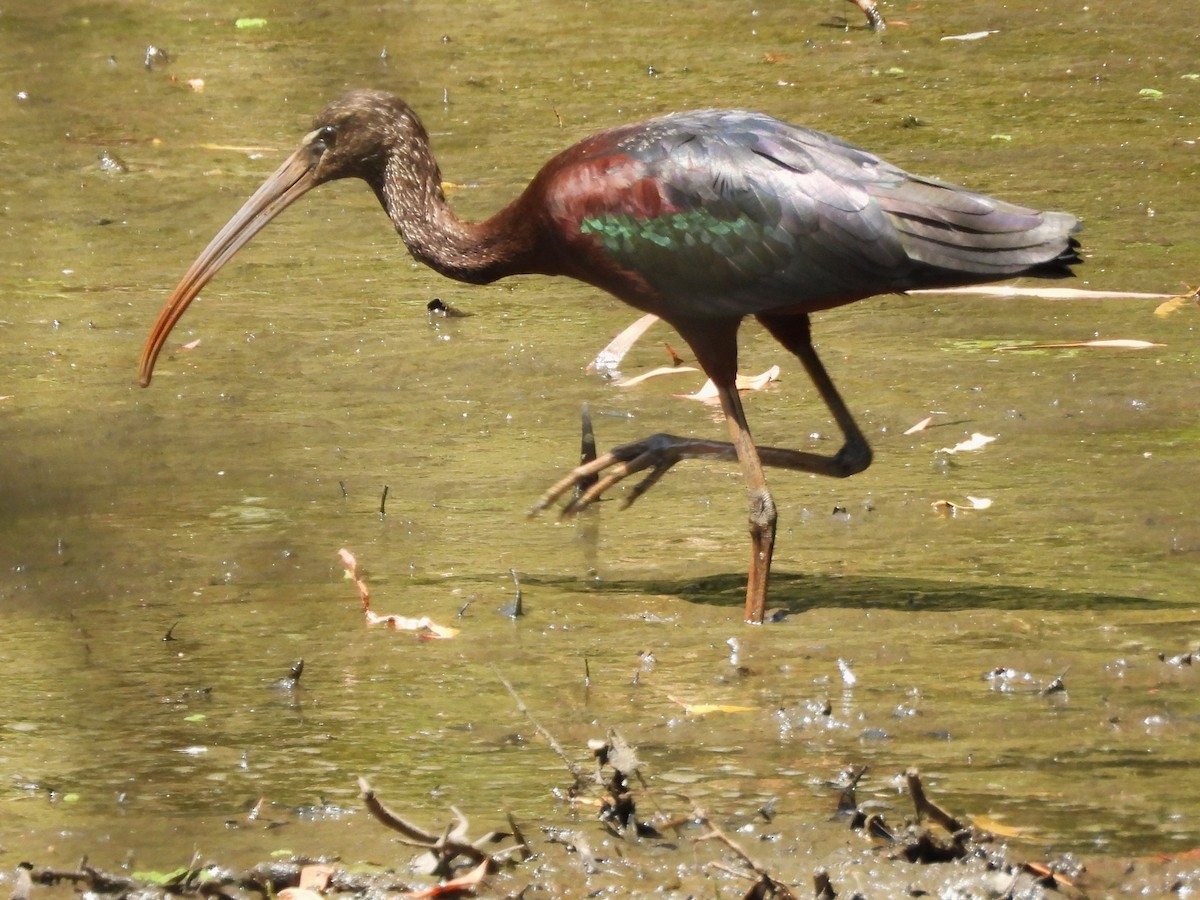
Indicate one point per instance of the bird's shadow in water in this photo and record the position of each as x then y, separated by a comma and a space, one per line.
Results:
794, 594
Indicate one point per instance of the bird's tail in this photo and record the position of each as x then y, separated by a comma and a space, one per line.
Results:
968, 235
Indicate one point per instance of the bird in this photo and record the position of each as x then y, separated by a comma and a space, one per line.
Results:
702, 218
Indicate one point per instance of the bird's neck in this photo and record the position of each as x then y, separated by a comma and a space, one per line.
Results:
475, 252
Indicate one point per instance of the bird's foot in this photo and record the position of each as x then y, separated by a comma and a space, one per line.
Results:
656, 454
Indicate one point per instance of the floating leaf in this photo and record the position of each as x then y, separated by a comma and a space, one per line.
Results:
1002, 137
969, 36
250, 23
610, 357
1151, 93
1115, 343
467, 882
708, 392
703, 709
351, 566
237, 148
1005, 831
920, 426
953, 508
423, 624
1169, 306
974, 442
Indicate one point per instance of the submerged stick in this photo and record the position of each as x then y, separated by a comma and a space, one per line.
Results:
577, 773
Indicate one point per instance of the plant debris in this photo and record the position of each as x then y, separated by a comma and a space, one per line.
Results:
708, 393
976, 441
1113, 343
618, 855
955, 508
426, 627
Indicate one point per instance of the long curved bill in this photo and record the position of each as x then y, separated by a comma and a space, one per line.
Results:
290, 181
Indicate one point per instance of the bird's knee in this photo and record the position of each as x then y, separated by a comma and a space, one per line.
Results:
763, 514
852, 459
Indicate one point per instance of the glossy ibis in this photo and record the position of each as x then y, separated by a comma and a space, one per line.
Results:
702, 218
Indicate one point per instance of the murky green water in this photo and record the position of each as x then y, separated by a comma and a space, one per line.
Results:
215, 501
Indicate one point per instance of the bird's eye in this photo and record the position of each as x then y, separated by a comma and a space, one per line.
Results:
326, 135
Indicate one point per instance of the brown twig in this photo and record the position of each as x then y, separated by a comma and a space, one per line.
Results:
446, 846
765, 878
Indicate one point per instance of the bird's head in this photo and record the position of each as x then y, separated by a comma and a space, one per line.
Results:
351, 138
356, 134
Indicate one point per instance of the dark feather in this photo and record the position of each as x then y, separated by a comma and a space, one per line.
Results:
772, 216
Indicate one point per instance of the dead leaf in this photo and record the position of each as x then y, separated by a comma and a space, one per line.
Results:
1115, 343
610, 357
1000, 830
351, 565
1175, 303
708, 392
191, 345
676, 359
1192, 853
427, 627
974, 442
196, 84
920, 426
410, 623
467, 882
315, 877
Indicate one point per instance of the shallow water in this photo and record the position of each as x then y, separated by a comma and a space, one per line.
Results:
216, 500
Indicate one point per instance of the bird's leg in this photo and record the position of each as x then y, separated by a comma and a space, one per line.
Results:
716, 351
793, 332
715, 345
875, 20
763, 515
659, 452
